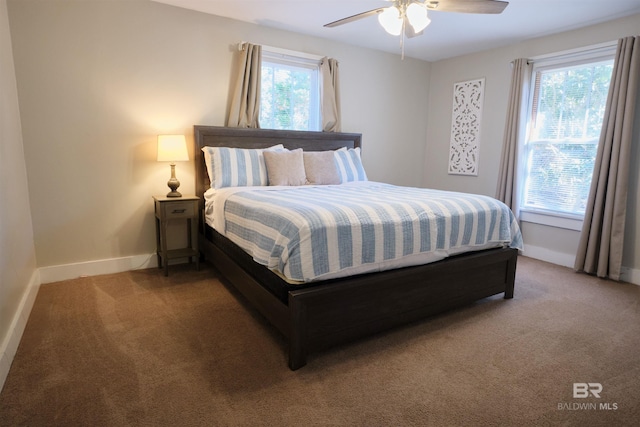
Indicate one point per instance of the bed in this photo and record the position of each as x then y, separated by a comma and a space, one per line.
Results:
321, 313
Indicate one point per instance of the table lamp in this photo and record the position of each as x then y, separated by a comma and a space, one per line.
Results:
172, 148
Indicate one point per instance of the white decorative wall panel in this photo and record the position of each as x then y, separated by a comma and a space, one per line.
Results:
465, 127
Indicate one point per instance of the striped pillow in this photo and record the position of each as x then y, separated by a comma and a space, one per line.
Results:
349, 165
237, 167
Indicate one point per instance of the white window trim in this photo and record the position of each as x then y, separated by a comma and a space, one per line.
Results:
603, 51
578, 54
553, 219
302, 61
291, 54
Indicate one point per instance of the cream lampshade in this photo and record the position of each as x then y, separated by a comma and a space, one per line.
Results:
172, 148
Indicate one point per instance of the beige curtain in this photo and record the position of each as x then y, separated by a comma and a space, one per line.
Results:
330, 105
514, 130
245, 104
602, 237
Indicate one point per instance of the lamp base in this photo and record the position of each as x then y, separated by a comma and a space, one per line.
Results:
173, 183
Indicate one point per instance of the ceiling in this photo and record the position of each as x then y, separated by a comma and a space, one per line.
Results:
448, 35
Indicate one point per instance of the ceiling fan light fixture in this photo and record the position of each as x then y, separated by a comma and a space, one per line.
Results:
417, 16
391, 20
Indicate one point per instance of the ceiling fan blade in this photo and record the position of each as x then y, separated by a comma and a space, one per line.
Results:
354, 17
467, 6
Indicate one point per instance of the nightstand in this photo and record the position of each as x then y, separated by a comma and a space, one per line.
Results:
176, 208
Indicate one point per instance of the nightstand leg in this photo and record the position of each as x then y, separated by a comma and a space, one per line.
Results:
163, 244
193, 242
158, 245
189, 237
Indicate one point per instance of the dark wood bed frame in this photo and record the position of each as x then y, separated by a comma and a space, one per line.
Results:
342, 310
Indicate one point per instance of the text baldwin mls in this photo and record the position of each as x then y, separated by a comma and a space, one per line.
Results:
582, 391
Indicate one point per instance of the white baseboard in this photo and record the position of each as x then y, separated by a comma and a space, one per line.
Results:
18, 324
57, 273
628, 275
544, 254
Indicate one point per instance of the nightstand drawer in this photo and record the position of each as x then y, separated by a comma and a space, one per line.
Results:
178, 210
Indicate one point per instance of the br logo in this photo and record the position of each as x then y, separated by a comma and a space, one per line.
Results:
584, 390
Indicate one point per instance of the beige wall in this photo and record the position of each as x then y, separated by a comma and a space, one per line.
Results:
98, 80
17, 252
547, 242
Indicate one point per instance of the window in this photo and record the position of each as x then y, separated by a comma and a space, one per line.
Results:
290, 91
567, 104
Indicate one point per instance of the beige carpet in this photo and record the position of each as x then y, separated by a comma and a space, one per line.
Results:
137, 348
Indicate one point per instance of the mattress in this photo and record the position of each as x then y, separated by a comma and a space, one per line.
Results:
312, 233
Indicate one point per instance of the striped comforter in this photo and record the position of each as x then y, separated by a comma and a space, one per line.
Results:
311, 233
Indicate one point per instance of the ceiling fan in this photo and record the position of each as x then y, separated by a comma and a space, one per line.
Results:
409, 17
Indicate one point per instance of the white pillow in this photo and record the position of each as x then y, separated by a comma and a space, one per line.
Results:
320, 167
349, 165
237, 167
285, 167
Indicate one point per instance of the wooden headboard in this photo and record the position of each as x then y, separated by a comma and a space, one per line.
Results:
217, 136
